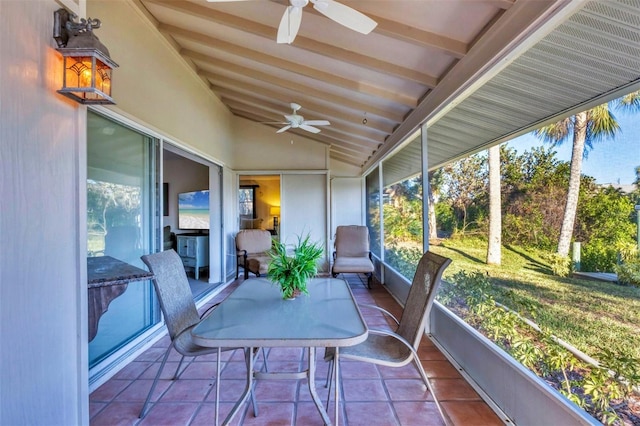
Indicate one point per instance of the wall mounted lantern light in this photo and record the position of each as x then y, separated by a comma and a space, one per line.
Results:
86, 61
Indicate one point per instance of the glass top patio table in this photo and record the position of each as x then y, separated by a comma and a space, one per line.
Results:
256, 316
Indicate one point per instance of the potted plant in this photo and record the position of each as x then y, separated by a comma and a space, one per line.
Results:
293, 271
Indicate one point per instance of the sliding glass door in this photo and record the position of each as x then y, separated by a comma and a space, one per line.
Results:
122, 222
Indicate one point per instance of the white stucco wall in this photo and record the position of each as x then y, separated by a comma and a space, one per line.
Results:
43, 325
259, 147
155, 87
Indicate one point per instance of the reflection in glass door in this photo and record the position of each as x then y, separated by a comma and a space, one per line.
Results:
121, 218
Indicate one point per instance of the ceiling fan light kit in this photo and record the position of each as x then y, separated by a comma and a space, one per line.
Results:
296, 121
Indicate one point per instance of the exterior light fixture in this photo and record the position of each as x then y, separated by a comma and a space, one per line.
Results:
87, 65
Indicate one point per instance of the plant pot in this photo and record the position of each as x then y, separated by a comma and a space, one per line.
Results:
295, 294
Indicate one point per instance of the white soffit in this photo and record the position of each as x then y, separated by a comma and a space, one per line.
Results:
594, 53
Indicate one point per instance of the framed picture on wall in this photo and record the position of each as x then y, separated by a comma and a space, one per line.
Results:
165, 199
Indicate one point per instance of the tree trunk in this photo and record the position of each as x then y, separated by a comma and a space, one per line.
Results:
494, 248
433, 231
566, 230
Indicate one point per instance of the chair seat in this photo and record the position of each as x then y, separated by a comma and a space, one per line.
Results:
258, 264
383, 350
352, 265
184, 344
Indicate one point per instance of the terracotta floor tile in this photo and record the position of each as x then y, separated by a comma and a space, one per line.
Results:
409, 371
358, 370
139, 389
95, 408
133, 370
363, 390
230, 391
187, 390
117, 413
205, 415
273, 414
430, 353
167, 373
152, 354
419, 413
276, 390
453, 389
169, 414
200, 370
307, 415
440, 369
407, 390
109, 390
234, 370
470, 413
370, 414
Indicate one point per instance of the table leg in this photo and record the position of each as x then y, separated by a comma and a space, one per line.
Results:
336, 367
311, 379
247, 391
218, 363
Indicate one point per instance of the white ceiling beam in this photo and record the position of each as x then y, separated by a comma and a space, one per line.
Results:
283, 65
301, 42
298, 90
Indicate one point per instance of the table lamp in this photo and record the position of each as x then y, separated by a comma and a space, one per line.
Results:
275, 212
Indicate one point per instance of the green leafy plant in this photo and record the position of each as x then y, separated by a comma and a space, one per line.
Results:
629, 272
560, 265
293, 271
596, 388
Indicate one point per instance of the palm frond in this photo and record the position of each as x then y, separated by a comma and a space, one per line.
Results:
629, 102
556, 133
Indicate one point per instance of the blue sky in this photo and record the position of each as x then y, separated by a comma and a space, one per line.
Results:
610, 161
194, 200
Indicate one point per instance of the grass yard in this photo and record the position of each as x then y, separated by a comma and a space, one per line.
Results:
587, 314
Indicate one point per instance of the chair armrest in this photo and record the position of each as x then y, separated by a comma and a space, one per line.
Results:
329, 352
334, 256
242, 253
381, 332
384, 311
209, 310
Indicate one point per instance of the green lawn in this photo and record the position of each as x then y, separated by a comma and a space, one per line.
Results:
587, 314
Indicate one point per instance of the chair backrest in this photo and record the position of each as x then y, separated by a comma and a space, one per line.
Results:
173, 291
253, 240
352, 241
421, 295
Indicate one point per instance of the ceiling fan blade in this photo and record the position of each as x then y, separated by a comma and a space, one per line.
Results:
224, 1
309, 128
345, 15
317, 122
284, 129
289, 25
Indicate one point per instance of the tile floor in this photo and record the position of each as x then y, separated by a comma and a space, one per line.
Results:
371, 395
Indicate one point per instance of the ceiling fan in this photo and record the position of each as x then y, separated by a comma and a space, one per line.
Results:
338, 12
296, 121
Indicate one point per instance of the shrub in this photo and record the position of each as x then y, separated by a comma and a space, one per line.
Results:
629, 272
598, 256
560, 265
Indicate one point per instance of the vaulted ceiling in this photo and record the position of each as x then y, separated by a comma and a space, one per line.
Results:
422, 59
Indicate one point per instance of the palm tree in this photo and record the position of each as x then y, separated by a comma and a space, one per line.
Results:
495, 208
587, 128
